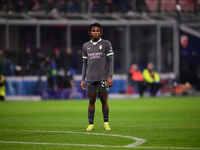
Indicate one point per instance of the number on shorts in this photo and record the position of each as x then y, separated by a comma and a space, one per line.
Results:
103, 83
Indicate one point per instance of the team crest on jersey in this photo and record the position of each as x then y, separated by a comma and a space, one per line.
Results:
100, 47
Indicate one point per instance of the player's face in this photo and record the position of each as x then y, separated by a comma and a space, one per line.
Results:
95, 34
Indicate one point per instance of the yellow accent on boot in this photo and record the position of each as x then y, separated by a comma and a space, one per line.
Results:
90, 127
106, 126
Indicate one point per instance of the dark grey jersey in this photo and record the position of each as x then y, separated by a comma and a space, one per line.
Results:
97, 60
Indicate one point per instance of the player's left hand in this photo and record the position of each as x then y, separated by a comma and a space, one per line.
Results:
109, 82
83, 85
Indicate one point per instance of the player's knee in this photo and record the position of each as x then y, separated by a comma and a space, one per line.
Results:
103, 100
91, 101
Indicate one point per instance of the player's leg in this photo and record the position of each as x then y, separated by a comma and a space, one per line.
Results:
104, 102
91, 91
91, 107
105, 109
91, 111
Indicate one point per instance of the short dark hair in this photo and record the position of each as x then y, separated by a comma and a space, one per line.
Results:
96, 24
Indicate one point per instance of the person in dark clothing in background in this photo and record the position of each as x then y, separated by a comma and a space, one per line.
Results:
18, 5
28, 61
79, 61
38, 59
2, 62
58, 58
49, 68
69, 61
141, 6
3, 4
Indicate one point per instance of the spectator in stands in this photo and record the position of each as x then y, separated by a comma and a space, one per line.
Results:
152, 79
28, 61
10, 68
79, 61
68, 81
109, 6
49, 67
65, 77
89, 6
2, 4
6, 65
187, 5
33, 5
117, 6
2, 62
185, 70
62, 76
38, 59
74, 6
60, 5
51, 5
129, 5
137, 79
134, 5
58, 57
69, 57
77, 6
141, 6
97, 6
198, 75
152, 5
18, 5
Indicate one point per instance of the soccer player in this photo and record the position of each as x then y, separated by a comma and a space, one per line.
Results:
98, 72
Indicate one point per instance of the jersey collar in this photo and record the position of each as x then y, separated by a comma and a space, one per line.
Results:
94, 43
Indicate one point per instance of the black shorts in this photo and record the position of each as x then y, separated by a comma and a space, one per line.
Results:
99, 86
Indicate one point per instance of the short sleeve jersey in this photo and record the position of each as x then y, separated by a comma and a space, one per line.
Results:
97, 59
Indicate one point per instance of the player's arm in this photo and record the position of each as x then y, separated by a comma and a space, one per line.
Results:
84, 68
110, 57
110, 71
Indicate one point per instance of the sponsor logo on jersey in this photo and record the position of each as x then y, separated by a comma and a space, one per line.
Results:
88, 48
94, 55
100, 47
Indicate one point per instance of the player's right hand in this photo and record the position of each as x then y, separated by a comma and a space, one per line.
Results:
83, 85
109, 82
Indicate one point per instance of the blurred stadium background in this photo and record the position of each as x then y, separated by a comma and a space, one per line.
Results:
165, 32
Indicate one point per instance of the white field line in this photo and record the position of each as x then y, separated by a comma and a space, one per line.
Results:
146, 147
38, 143
90, 145
138, 141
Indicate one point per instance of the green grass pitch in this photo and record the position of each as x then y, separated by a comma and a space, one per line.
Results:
163, 122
